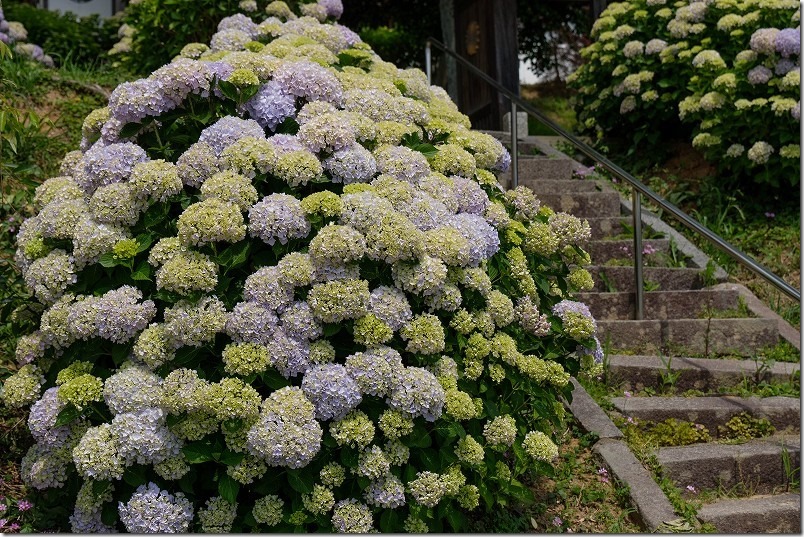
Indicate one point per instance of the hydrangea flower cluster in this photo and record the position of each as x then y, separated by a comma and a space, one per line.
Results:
718, 70
246, 320
14, 34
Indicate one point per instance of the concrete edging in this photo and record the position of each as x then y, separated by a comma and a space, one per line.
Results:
653, 507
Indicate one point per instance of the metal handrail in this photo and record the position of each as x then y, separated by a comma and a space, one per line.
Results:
638, 188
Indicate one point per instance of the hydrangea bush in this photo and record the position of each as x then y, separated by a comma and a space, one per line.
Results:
725, 73
14, 34
284, 291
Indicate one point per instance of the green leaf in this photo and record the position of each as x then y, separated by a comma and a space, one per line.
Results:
108, 260
135, 475
228, 89
349, 458
144, 241
429, 459
420, 437
230, 458
389, 521
228, 488
198, 452
234, 255
142, 272
99, 487
67, 415
130, 129
298, 482
274, 380
109, 514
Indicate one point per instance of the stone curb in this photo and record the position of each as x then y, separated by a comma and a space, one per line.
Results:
786, 330
653, 507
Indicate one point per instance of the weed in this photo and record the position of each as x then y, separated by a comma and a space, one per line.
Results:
650, 285
668, 378
744, 427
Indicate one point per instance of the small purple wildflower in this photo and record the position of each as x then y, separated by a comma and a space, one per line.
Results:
770, 215
24, 505
627, 394
557, 522
692, 489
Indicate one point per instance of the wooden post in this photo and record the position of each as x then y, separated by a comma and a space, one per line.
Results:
486, 35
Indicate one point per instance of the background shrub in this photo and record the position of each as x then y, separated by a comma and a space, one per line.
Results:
716, 73
84, 40
205, 263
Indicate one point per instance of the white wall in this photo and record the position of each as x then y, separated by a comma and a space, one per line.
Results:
101, 7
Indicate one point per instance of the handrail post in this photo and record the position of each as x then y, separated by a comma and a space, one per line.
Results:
428, 62
639, 297
514, 148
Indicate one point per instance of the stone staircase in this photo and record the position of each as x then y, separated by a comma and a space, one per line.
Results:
694, 336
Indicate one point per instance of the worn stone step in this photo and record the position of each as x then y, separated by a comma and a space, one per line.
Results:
756, 467
759, 514
552, 186
607, 251
609, 226
684, 337
660, 304
705, 374
541, 167
584, 204
621, 279
784, 413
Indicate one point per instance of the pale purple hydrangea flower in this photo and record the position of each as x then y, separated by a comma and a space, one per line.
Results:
350, 37
483, 239
119, 316
42, 420
354, 164
49, 277
759, 75
251, 322
287, 433
299, 322
387, 492
418, 393
788, 42
763, 41
334, 8
402, 163
784, 66
375, 370
333, 392
109, 164
596, 353
390, 305
425, 212
310, 81
289, 355
470, 196
230, 39
181, 78
132, 389
278, 217
131, 102
227, 131
241, 22
143, 436
268, 288
286, 143
152, 510
271, 105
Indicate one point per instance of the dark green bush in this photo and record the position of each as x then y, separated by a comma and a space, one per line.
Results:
84, 39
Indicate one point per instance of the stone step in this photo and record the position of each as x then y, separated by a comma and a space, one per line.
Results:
784, 413
660, 304
552, 186
759, 514
609, 226
705, 374
606, 251
584, 204
756, 467
684, 337
541, 167
621, 279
